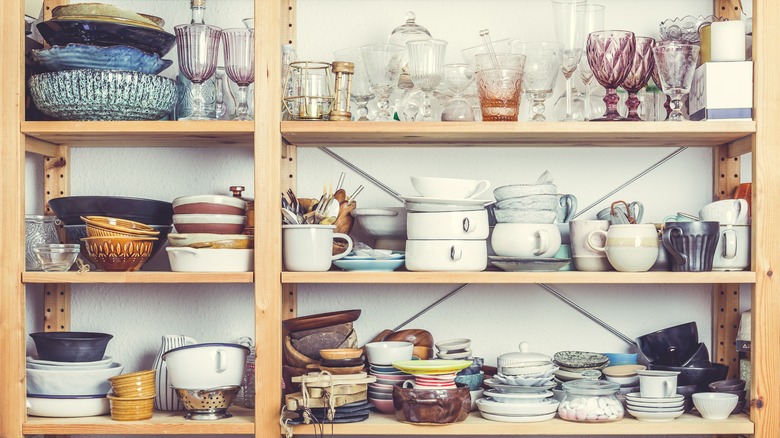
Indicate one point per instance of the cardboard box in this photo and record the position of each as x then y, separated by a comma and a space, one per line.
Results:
722, 91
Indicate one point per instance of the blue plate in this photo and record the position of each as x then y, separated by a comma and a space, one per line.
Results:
98, 33
80, 56
369, 264
393, 256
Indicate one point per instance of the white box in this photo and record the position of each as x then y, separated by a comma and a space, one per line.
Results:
722, 91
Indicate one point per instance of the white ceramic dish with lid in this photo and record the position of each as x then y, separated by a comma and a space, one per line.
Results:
522, 358
446, 255
466, 225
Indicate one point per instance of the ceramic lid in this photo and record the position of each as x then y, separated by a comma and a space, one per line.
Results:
524, 356
590, 387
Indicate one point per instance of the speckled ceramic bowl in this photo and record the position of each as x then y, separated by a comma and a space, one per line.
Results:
103, 95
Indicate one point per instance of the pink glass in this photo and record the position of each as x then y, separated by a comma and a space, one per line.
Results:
239, 48
610, 54
641, 69
198, 47
676, 65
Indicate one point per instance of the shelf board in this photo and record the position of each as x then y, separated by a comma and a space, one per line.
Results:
163, 133
137, 277
500, 277
630, 134
162, 423
688, 424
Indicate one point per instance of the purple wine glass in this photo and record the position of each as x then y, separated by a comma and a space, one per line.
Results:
198, 47
641, 69
239, 47
610, 55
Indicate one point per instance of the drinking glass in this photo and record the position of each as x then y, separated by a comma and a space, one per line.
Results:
594, 21
361, 89
458, 78
676, 65
641, 68
569, 19
426, 59
383, 66
541, 72
198, 48
239, 47
610, 54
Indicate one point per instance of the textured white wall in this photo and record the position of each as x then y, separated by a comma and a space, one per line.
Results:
496, 317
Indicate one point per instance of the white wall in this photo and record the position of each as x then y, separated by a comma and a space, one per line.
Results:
495, 317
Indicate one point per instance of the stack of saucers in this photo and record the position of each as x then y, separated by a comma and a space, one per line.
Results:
655, 409
454, 349
572, 364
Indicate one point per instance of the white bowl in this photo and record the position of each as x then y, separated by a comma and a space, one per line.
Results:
530, 202
518, 190
624, 380
203, 366
66, 381
186, 259
382, 222
715, 405
67, 407
387, 352
517, 409
449, 188
453, 345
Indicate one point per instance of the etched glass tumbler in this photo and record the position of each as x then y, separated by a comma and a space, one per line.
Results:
383, 66
426, 62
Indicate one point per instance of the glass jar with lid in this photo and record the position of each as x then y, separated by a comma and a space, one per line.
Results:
591, 401
409, 31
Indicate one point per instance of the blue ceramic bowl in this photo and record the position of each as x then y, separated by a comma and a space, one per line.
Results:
61, 32
85, 56
622, 358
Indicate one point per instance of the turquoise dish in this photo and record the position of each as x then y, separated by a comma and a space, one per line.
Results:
369, 264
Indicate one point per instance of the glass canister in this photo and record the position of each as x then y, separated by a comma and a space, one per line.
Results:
38, 230
591, 401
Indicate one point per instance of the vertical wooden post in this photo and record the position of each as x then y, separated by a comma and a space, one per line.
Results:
728, 9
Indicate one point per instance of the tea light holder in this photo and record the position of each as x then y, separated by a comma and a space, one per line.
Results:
308, 94
343, 71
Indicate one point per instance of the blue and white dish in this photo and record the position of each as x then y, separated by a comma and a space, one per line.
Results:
393, 255
80, 56
369, 264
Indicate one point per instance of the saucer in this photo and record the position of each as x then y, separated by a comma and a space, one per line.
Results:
462, 202
369, 264
518, 419
655, 416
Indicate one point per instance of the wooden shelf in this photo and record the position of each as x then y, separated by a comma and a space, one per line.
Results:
623, 134
688, 424
137, 277
500, 277
144, 134
163, 423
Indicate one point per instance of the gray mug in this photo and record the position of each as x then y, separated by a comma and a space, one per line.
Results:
691, 244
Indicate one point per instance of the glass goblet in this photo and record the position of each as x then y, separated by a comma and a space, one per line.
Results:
239, 47
676, 65
457, 78
361, 92
383, 66
541, 72
641, 68
610, 54
426, 59
594, 21
198, 47
569, 23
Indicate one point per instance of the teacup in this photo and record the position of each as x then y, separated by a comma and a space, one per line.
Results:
449, 188
733, 250
567, 206
526, 240
309, 248
691, 244
629, 247
727, 212
657, 384
583, 256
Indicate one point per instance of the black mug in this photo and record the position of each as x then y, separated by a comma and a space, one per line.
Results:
691, 244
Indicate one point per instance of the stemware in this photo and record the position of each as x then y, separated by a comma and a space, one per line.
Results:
676, 65
594, 21
361, 89
610, 54
426, 59
458, 78
383, 67
198, 48
641, 68
541, 72
569, 18
239, 46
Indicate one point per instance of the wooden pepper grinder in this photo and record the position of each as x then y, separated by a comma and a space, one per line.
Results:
249, 230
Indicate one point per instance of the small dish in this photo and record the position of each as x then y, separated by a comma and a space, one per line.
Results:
513, 264
656, 417
623, 370
521, 397
580, 360
370, 265
523, 381
452, 356
453, 345
517, 419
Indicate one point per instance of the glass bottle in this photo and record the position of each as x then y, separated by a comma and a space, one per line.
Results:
184, 85
288, 56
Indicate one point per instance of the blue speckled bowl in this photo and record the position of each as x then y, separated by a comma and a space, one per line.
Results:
103, 95
85, 56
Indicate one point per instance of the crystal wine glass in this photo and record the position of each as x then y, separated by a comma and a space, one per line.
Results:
641, 68
426, 59
610, 54
361, 89
198, 48
594, 21
458, 78
383, 66
657, 82
239, 46
541, 72
569, 19
676, 65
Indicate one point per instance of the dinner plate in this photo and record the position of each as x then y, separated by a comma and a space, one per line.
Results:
415, 367
657, 417
515, 389
518, 419
461, 202
79, 56
62, 32
369, 264
538, 264
674, 408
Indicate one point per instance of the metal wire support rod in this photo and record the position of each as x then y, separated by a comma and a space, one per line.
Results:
362, 173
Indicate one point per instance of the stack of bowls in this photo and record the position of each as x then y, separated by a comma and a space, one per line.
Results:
526, 203
454, 349
209, 235
115, 244
70, 377
132, 396
381, 356
523, 374
342, 360
520, 407
732, 386
574, 365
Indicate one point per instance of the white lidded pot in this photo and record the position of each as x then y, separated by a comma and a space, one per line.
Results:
524, 362
466, 225
205, 366
446, 255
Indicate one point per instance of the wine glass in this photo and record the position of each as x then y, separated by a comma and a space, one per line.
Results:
458, 78
541, 72
676, 65
198, 48
569, 19
361, 89
239, 46
610, 54
594, 21
641, 68
383, 66
426, 59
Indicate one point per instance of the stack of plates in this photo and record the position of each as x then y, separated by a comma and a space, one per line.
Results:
655, 409
380, 393
353, 262
454, 349
571, 364
519, 407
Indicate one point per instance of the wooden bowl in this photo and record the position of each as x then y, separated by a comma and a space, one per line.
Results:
320, 320
108, 226
131, 408
119, 254
340, 353
294, 357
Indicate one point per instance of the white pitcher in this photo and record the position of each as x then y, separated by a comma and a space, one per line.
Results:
166, 398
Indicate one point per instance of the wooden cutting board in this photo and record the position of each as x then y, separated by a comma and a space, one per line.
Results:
295, 401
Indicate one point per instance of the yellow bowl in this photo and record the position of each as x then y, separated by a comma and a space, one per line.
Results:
119, 254
131, 408
137, 384
122, 226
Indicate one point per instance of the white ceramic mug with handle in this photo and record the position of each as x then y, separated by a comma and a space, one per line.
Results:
727, 212
309, 248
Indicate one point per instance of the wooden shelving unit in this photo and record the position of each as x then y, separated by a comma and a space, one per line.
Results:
136, 277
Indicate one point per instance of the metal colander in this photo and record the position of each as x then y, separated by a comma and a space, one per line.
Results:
208, 404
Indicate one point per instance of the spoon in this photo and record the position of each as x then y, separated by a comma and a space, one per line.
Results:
290, 217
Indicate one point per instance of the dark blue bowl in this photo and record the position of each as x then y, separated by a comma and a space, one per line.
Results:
99, 33
71, 346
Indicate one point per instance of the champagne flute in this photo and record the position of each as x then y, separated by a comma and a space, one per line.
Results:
239, 46
198, 48
569, 20
594, 21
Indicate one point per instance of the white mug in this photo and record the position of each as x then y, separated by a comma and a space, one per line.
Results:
733, 250
629, 247
584, 257
657, 384
526, 240
309, 248
727, 212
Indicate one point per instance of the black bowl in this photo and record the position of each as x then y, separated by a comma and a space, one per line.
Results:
71, 346
69, 209
74, 234
670, 346
701, 377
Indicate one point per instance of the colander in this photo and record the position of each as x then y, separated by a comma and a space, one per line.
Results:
208, 404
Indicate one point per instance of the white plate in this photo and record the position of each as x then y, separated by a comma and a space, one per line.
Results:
636, 397
653, 409
514, 409
655, 416
523, 381
518, 419
105, 361
522, 397
643, 404
514, 389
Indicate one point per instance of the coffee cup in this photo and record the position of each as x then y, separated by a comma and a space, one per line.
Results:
733, 250
449, 188
567, 206
629, 247
309, 248
526, 240
691, 244
727, 212
584, 257
657, 383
